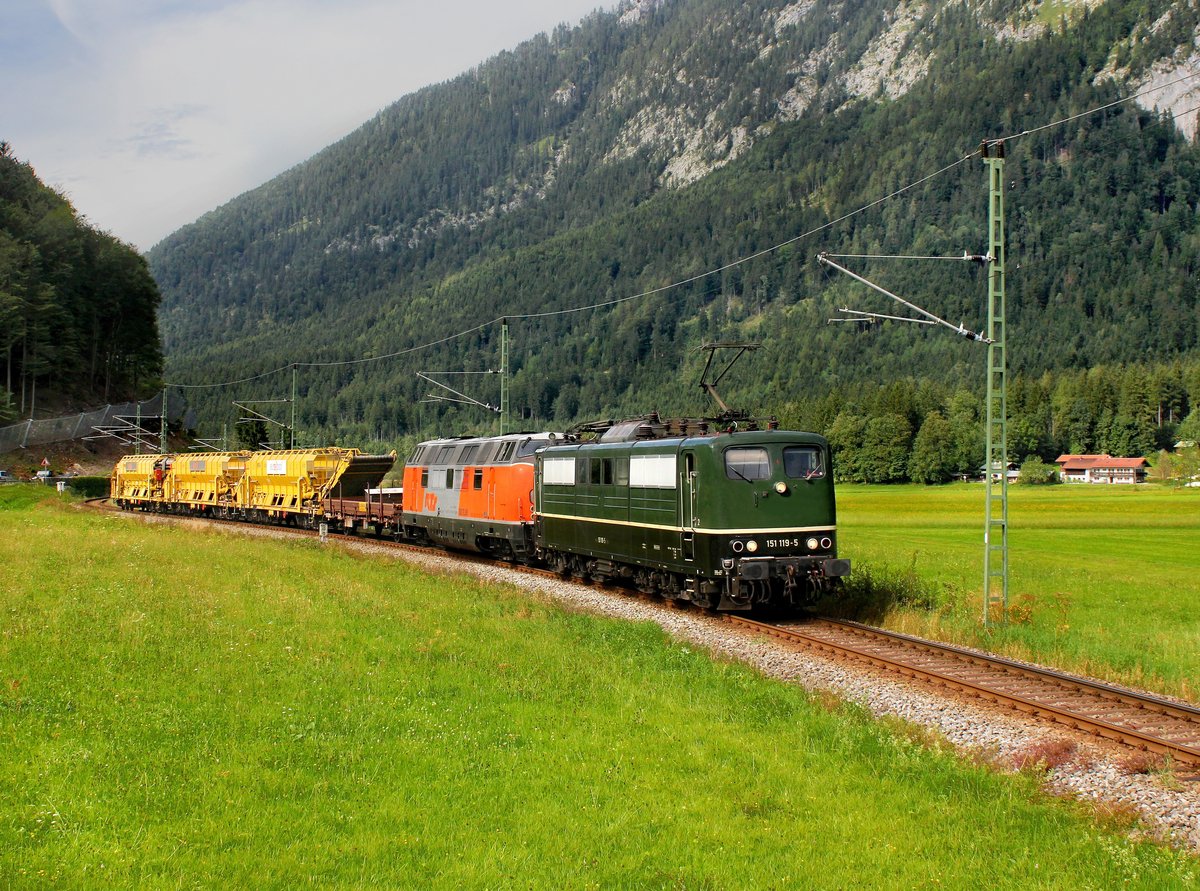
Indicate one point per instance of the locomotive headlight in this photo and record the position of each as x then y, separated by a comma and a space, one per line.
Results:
737, 546
826, 542
781, 487
812, 544
752, 546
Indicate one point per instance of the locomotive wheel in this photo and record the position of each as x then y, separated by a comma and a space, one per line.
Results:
560, 564
578, 569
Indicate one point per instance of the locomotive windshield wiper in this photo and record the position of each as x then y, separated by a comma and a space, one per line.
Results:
739, 473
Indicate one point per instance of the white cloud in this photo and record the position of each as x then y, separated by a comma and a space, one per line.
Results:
148, 113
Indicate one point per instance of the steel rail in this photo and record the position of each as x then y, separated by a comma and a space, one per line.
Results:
1004, 669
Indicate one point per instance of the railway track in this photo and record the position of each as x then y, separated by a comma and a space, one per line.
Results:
1140, 720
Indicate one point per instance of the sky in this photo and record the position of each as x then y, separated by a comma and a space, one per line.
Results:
147, 114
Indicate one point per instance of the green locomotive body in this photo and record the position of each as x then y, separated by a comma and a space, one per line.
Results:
726, 520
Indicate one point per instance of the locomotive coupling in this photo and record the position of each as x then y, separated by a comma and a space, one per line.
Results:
756, 568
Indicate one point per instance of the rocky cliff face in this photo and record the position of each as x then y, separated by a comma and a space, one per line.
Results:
697, 84
1170, 82
802, 48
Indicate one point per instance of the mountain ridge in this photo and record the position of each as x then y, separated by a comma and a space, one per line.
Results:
631, 152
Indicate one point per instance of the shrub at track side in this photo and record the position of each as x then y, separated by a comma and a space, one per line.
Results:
89, 486
871, 593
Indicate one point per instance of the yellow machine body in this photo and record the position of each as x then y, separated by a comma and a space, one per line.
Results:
291, 481
207, 479
138, 479
268, 484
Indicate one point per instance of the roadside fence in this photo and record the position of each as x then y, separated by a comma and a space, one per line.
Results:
90, 424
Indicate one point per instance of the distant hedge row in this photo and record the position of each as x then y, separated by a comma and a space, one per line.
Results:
90, 486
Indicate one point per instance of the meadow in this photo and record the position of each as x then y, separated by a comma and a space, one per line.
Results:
187, 706
1102, 579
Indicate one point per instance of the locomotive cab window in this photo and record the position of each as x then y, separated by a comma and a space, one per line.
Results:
477, 479
529, 446
803, 462
424, 477
450, 478
601, 471
747, 463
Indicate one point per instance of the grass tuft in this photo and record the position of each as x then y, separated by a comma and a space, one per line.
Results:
1142, 762
872, 593
1046, 754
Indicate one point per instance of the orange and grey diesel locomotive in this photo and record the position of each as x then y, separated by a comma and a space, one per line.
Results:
692, 510
474, 493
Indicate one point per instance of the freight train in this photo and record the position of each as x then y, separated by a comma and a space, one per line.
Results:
725, 516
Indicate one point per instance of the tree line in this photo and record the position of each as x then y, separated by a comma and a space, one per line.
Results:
922, 431
77, 306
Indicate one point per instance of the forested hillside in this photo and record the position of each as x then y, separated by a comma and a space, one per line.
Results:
77, 306
666, 142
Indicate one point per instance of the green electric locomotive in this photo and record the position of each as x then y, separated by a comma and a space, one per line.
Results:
726, 518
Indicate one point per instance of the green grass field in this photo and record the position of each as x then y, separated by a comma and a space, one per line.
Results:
1103, 579
187, 706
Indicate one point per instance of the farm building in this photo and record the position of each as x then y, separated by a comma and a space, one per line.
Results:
1101, 469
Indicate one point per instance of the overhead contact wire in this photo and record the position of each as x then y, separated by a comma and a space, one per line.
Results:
748, 258
600, 305
1100, 108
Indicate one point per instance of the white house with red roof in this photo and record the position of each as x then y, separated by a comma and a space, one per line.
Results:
1101, 469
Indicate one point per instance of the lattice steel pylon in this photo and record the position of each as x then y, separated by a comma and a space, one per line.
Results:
503, 375
995, 533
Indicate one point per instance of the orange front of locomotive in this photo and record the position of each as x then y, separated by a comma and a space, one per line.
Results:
473, 494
